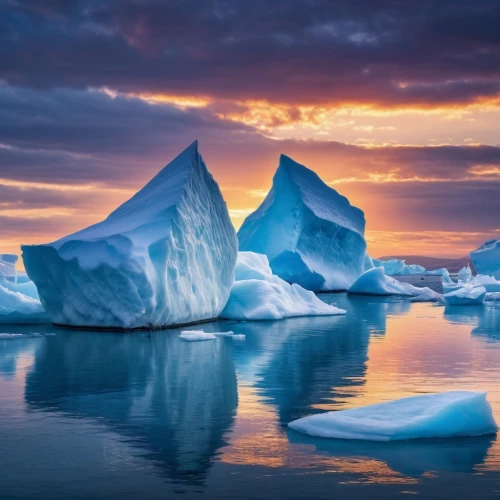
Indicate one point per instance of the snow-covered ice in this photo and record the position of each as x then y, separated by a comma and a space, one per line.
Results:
448, 414
165, 257
258, 294
486, 258
375, 282
466, 296
311, 234
196, 336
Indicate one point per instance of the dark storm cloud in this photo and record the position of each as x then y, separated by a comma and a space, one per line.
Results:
377, 51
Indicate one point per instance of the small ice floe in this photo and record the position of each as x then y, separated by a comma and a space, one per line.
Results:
200, 335
466, 296
448, 414
20, 336
196, 336
492, 297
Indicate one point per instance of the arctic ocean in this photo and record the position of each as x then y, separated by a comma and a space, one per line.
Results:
88, 414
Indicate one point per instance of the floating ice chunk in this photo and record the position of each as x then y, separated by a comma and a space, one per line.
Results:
375, 282
165, 257
10, 336
311, 234
258, 294
196, 336
465, 275
223, 334
492, 297
238, 337
466, 296
426, 294
448, 414
489, 282
486, 258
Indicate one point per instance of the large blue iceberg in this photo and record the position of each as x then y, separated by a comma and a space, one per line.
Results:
311, 234
449, 414
165, 257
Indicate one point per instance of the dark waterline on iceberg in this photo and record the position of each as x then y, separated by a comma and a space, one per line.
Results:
146, 415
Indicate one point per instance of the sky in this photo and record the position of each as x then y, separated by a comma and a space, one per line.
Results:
395, 104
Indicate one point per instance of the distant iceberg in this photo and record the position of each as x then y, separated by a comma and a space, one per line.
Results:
375, 282
466, 296
464, 275
19, 302
258, 294
489, 282
311, 234
397, 267
486, 258
444, 415
165, 257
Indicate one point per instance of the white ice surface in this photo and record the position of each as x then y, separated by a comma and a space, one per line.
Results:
375, 282
310, 233
258, 294
466, 296
486, 258
164, 257
448, 414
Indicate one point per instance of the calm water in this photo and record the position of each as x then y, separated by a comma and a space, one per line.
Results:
120, 416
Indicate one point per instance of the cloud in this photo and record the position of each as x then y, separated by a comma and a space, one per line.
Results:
323, 52
75, 155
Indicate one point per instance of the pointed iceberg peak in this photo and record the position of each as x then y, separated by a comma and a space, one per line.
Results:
164, 257
310, 233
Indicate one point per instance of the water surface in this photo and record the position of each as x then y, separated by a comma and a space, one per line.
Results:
145, 415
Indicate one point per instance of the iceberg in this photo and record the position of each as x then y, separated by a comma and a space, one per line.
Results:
258, 294
486, 258
165, 257
375, 282
444, 415
396, 267
19, 302
466, 296
489, 282
196, 336
311, 234
465, 275
8, 263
